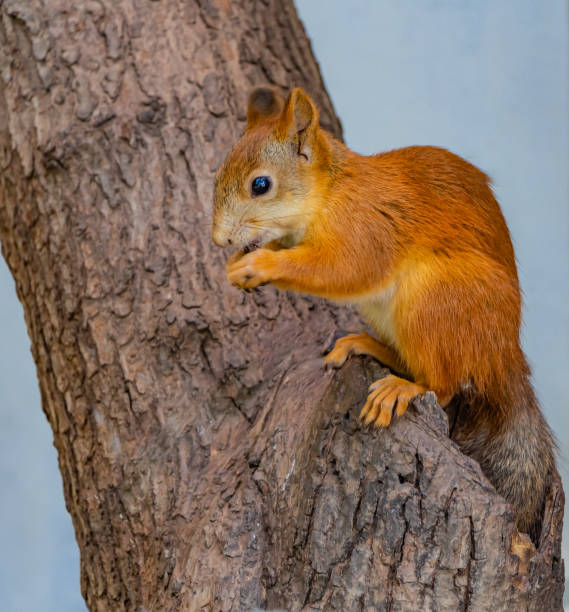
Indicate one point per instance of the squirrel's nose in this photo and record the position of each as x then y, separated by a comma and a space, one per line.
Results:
220, 238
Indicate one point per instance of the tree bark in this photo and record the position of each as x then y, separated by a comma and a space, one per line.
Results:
208, 461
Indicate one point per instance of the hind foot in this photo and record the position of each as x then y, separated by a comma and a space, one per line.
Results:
363, 344
386, 395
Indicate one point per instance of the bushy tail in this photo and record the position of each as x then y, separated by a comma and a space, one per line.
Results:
513, 445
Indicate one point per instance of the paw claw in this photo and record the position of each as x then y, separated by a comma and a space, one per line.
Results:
365, 410
401, 407
371, 415
384, 418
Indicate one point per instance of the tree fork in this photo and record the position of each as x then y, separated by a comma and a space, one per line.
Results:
208, 461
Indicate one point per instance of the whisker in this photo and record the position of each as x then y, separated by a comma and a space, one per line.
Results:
258, 225
279, 218
267, 228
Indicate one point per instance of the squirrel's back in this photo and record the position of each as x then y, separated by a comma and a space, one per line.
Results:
494, 413
434, 198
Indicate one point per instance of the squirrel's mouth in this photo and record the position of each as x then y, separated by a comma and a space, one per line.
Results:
257, 242
262, 239
252, 246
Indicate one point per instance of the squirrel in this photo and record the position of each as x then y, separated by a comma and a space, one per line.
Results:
416, 240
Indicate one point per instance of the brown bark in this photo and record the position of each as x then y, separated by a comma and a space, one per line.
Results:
208, 461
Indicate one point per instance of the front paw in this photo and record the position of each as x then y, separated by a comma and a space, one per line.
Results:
251, 269
234, 258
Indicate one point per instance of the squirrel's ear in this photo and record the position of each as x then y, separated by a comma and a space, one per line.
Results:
264, 102
300, 121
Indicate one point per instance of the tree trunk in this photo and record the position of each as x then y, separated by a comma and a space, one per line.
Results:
208, 461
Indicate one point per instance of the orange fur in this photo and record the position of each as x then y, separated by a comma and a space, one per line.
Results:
414, 237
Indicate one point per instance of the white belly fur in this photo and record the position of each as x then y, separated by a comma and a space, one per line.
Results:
377, 310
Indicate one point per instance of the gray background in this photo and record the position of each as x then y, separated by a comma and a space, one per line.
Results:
489, 79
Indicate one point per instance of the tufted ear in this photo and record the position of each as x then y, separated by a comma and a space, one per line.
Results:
264, 102
300, 121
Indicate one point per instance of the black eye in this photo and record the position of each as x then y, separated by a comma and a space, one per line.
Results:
260, 185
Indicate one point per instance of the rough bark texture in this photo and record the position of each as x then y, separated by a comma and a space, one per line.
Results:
208, 461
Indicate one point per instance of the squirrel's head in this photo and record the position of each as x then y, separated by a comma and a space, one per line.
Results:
266, 187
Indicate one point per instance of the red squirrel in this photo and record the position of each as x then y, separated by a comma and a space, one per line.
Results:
417, 241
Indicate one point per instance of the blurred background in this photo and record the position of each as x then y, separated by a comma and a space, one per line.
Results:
487, 79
